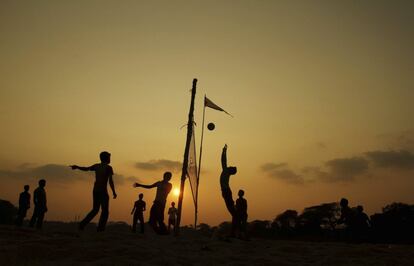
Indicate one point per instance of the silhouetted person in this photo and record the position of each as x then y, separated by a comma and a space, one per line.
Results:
362, 223
346, 213
225, 188
24, 205
156, 218
172, 214
138, 211
347, 218
241, 209
103, 174
40, 206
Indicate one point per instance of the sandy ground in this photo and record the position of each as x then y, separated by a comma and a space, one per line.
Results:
63, 245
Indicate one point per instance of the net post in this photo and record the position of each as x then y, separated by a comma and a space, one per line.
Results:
185, 161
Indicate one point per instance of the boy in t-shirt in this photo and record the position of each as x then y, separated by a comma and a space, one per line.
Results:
40, 206
103, 176
138, 211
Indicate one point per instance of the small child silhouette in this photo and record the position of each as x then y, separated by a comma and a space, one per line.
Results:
138, 211
172, 214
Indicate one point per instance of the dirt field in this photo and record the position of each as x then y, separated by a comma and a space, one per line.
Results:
61, 244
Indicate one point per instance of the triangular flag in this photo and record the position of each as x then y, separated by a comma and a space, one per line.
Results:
209, 103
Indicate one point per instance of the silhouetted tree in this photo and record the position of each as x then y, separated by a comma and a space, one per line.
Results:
395, 223
318, 217
260, 228
222, 230
399, 209
204, 229
285, 223
287, 219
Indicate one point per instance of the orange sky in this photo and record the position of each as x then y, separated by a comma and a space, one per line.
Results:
321, 94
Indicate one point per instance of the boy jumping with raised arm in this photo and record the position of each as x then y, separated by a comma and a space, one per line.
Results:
225, 188
103, 174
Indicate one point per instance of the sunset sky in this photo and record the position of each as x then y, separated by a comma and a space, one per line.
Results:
321, 92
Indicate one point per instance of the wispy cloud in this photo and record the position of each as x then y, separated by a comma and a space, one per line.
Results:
345, 169
162, 164
55, 173
281, 171
402, 159
272, 166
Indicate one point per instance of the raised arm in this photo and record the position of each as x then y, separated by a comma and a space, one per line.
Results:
145, 186
224, 157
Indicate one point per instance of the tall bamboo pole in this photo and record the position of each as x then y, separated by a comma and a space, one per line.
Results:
186, 151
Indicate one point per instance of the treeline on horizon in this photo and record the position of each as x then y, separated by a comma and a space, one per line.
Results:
395, 224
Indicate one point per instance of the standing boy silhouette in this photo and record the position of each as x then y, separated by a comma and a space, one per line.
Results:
138, 211
241, 209
164, 187
40, 206
103, 174
24, 205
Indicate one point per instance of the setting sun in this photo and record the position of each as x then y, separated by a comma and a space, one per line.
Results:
176, 192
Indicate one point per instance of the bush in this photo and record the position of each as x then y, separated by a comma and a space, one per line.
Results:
7, 212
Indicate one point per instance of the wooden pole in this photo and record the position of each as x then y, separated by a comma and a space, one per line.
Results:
185, 161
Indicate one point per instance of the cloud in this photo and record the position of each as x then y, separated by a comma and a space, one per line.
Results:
402, 159
51, 172
55, 173
271, 166
281, 172
130, 179
344, 169
162, 164
313, 171
288, 176
403, 140
336, 170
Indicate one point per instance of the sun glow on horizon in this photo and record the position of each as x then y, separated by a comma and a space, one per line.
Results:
176, 192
